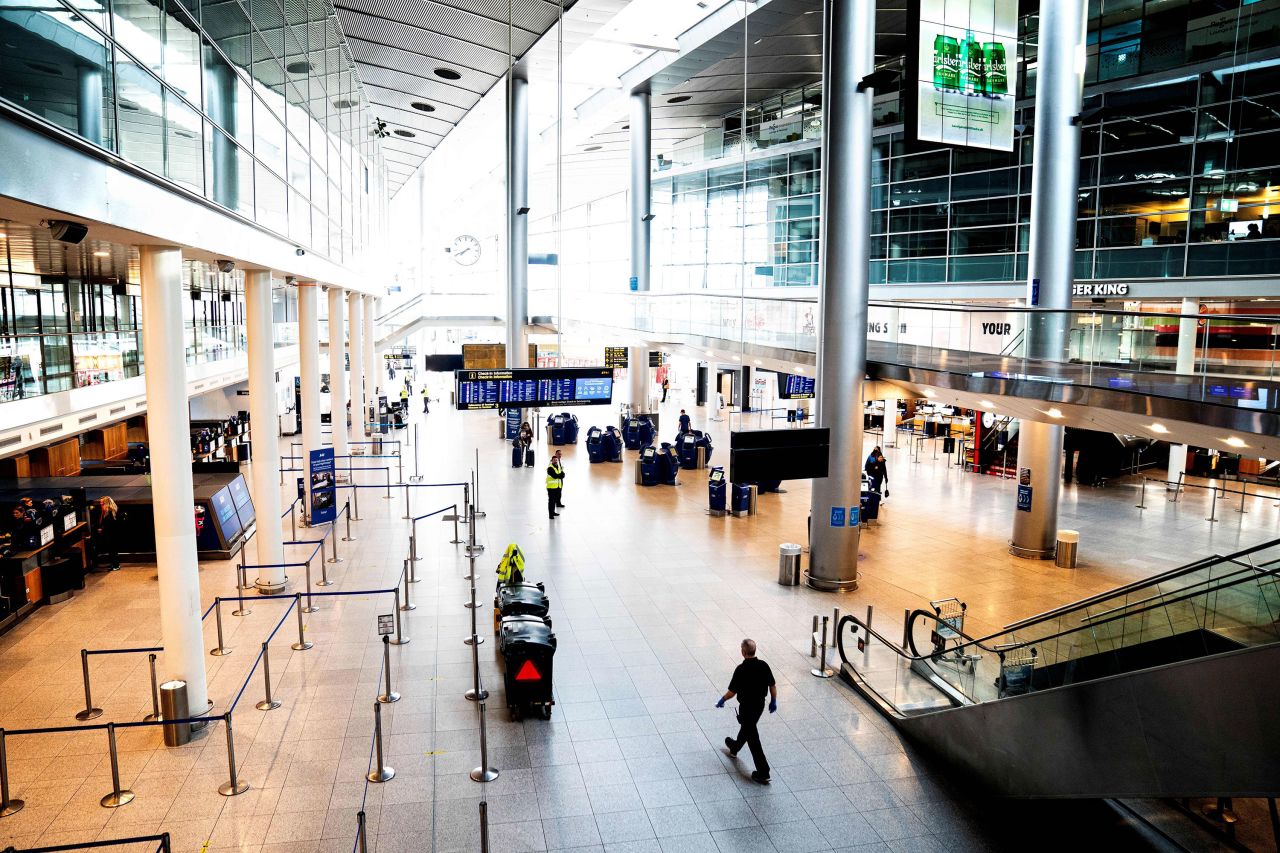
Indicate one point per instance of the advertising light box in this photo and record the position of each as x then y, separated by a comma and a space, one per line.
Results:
533, 387
965, 72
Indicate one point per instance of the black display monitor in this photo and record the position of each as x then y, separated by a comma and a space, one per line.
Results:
778, 454
523, 388
794, 387
717, 476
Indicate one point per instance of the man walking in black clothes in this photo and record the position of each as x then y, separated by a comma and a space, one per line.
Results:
751, 681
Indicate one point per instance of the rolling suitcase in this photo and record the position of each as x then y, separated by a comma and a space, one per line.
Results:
515, 456
528, 457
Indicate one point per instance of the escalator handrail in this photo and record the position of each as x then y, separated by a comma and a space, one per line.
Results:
1245, 569
403, 306
1172, 573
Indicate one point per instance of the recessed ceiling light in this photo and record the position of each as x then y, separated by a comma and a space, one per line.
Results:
345, 103
626, 127
987, 404
447, 74
1054, 412
407, 134
1235, 442
679, 99
426, 108
102, 254
758, 361
593, 148
799, 368
709, 352
1160, 428
928, 393
735, 358
298, 67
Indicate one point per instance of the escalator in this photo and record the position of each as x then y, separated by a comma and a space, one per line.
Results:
1165, 687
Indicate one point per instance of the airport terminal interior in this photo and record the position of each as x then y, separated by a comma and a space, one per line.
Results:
639, 426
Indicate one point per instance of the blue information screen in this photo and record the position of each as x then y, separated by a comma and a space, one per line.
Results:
533, 387
793, 387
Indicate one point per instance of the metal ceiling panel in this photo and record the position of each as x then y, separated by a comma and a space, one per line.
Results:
446, 114
368, 45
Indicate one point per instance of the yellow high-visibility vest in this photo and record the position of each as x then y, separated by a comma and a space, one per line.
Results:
554, 482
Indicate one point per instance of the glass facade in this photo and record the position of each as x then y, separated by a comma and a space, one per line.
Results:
254, 106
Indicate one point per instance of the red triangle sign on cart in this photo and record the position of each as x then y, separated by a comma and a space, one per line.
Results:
528, 672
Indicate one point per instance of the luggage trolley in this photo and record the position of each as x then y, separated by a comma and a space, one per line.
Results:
950, 628
1017, 663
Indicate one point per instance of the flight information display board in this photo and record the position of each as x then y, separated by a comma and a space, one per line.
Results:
534, 387
793, 387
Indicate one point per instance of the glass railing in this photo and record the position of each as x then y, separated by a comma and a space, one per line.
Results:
1216, 605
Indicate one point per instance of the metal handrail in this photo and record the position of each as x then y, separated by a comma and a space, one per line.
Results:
162, 841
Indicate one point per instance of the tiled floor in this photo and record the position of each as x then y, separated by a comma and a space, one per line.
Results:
650, 598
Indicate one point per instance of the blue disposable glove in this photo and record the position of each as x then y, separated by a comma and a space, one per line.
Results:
720, 704
773, 706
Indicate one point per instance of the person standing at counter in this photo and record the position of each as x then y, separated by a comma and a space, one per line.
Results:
877, 470
105, 535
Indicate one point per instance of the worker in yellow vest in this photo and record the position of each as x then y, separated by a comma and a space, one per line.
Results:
555, 485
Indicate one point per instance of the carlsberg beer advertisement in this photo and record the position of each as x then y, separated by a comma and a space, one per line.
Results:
968, 55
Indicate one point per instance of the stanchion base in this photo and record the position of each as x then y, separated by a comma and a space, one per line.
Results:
264, 705
472, 696
12, 807
349, 538
151, 718
221, 651
243, 611
473, 550
324, 582
269, 588
825, 672
388, 698
484, 774
226, 789
471, 605
473, 640
409, 606
334, 560
400, 642
88, 714
456, 541
310, 609
116, 799
384, 774
302, 647
246, 586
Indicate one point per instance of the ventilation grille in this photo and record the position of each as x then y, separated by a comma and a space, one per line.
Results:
87, 418
50, 430
117, 410
10, 440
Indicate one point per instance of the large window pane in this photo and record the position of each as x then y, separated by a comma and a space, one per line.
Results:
141, 104
184, 149
272, 204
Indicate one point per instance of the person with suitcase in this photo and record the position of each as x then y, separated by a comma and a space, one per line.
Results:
877, 470
751, 681
555, 486
526, 443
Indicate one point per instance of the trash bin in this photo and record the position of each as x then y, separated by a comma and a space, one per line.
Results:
522, 599
789, 564
528, 646
1068, 541
173, 706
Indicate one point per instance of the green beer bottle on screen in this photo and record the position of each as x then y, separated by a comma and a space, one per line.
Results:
946, 63
997, 70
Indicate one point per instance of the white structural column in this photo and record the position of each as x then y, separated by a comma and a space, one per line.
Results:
1051, 264
373, 371
172, 493
1185, 364
268, 540
638, 378
846, 248
358, 398
641, 147
890, 437
338, 371
517, 222
309, 370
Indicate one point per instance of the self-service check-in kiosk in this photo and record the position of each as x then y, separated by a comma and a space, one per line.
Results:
648, 466
595, 445
717, 488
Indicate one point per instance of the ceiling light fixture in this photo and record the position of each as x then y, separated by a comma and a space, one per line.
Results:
987, 404
1235, 442
406, 134
1054, 412
1159, 428
101, 254
426, 108
447, 74
298, 67
345, 104
679, 99
593, 148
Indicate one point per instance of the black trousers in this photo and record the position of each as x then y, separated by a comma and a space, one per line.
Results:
750, 735
553, 500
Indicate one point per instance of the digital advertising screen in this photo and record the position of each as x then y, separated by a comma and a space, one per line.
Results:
533, 387
794, 387
965, 73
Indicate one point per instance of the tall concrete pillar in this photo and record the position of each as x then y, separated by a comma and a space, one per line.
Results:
220, 102
638, 378
264, 420
744, 390
89, 103
890, 437
309, 372
1185, 364
517, 222
846, 248
641, 154
338, 372
373, 371
703, 385
1051, 263
359, 402
172, 492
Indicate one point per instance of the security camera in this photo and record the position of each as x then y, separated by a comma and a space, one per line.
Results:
225, 265
299, 252
290, 280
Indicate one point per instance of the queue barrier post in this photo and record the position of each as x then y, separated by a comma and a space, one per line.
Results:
1244, 490
221, 648
118, 796
381, 773
324, 568
8, 805
360, 831
400, 639
234, 785
355, 490
303, 644
484, 773
408, 605
243, 576
1142, 496
822, 670
454, 518
241, 610
310, 608
387, 472
89, 712
155, 691
267, 703
293, 520
406, 515
1213, 506
484, 826
813, 639
347, 511
388, 694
